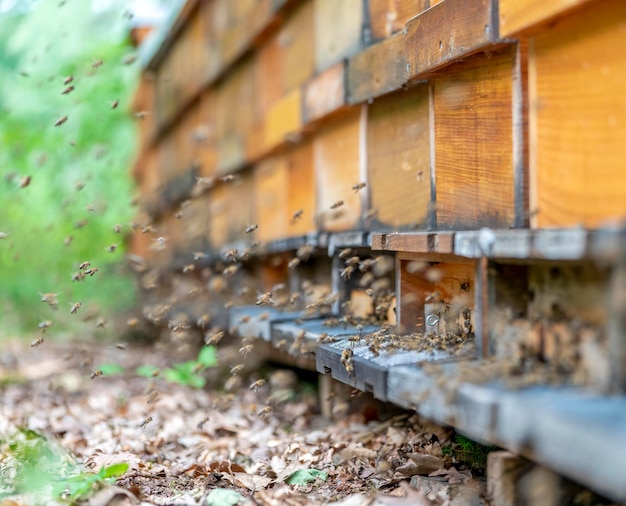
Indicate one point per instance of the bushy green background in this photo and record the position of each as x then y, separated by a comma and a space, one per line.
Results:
42, 42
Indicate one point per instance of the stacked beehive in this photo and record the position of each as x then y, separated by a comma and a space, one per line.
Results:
490, 138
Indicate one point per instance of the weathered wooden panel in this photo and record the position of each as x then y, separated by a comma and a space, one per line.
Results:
218, 215
389, 16
301, 195
474, 169
283, 118
519, 17
338, 30
578, 118
203, 135
337, 168
379, 69
143, 108
270, 194
446, 32
296, 39
398, 157
325, 93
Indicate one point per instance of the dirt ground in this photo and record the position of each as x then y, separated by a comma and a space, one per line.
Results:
264, 440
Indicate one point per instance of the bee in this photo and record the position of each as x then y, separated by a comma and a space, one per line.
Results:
202, 422
369, 215
263, 316
265, 411
214, 338
132, 322
152, 397
75, 307
297, 215
304, 252
46, 324
346, 360
37, 342
230, 270
92, 271
232, 254
264, 299
198, 255
111, 248
145, 422
189, 268
3, 235
114, 104
78, 276
95, 374
84, 265
101, 323
337, 204
257, 384
121, 346
353, 261
251, 228
141, 114
295, 297
90, 208
50, 299
293, 263
60, 121
229, 304
68, 80
244, 350
97, 64
347, 272
68, 240
237, 369
203, 321
345, 253
67, 90
229, 178
79, 186
178, 326
358, 187
129, 59
244, 319
25, 181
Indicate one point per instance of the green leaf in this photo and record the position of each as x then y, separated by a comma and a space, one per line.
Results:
114, 470
184, 374
223, 497
207, 356
304, 476
147, 371
111, 369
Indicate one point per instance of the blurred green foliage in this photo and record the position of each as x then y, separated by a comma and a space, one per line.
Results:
41, 43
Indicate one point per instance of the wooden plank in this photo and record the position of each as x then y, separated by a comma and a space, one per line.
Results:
389, 16
525, 17
296, 38
578, 119
337, 159
398, 158
338, 30
446, 32
379, 69
270, 198
325, 93
301, 194
240, 200
283, 118
204, 134
474, 168
218, 216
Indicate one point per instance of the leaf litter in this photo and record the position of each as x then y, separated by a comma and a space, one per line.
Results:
179, 445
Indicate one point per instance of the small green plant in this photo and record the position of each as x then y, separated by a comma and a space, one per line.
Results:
185, 373
81, 485
304, 476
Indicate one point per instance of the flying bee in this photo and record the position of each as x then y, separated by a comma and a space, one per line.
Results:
229, 178
68, 240
189, 268
294, 297
37, 342
203, 321
101, 323
265, 411
230, 270
178, 326
90, 208
358, 187
198, 255
50, 299
84, 265
44, 325
121, 346
145, 422
264, 299
141, 114
337, 204
237, 369
68, 80
25, 181
353, 260
112, 247
347, 272
293, 263
244, 319
60, 121
152, 397
345, 253
75, 307
296, 216
92, 271
257, 384
67, 90
114, 104
79, 186
132, 322
244, 350
78, 276
95, 374
214, 338
232, 254
97, 64
263, 317
251, 228
304, 252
